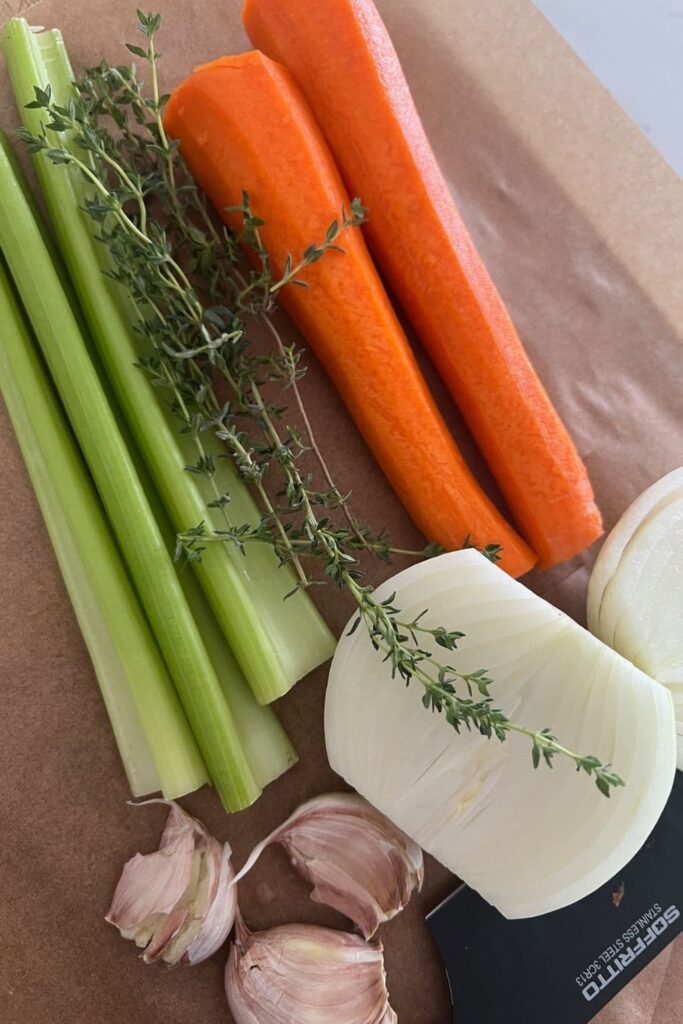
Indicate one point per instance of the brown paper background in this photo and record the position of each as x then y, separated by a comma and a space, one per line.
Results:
581, 224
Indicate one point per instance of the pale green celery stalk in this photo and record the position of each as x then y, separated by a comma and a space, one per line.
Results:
154, 739
269, 750
267, 747
275, 641
149, 562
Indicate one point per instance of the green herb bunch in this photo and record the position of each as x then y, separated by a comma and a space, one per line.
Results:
205, 316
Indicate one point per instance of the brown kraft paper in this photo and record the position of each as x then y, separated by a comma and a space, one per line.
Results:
580, 222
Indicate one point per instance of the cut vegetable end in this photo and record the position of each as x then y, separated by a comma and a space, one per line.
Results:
635, 597
276, 642
573, 543
266, 745
293, 624
465, 797
658, 495
129, 669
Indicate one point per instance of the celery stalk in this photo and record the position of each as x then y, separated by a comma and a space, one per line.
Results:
113, 471
266, 744
269, 750
154, 740
267, 747
275, 641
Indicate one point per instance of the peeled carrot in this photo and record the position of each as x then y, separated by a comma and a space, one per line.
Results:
243, 124
343, 59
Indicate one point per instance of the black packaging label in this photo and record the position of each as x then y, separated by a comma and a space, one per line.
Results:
567, 965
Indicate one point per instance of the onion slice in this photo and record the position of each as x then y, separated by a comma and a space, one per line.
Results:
529, 841
656, 497
635, 597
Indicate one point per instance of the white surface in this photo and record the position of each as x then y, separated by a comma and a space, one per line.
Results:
635, 47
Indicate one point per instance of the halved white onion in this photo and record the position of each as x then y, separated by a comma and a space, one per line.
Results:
528, 841
657, 496
635, 598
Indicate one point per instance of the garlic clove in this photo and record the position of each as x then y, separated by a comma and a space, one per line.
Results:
170, 941
177, 903
358, 862
149, 888
220, 916
303, 974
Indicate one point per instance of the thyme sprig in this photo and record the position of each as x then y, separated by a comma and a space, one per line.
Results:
200, 308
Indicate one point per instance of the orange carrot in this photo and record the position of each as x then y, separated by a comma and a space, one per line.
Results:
341, 56
243, 124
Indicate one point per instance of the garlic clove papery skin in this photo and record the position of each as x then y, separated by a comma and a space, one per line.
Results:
177, 903
150, 887
303, 974
358, 862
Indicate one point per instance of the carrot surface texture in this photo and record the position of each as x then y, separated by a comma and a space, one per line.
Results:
243, 124
342, 58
